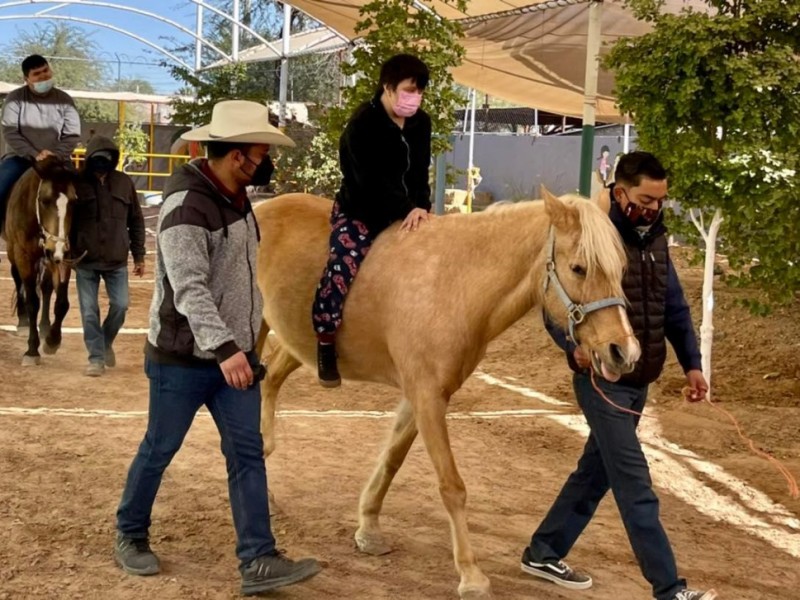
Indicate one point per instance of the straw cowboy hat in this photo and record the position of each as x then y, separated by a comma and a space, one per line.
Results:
239, 121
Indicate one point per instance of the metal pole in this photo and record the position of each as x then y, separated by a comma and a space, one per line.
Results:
470, 185
284, 83
590, 97
438, 193
198, 44
235, 32
626, 137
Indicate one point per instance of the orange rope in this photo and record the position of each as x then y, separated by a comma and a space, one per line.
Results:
794, 492
791, 482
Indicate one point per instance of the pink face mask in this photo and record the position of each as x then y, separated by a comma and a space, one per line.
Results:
407, 103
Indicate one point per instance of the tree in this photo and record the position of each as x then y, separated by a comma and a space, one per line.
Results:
716, 96
394, 26
208, 88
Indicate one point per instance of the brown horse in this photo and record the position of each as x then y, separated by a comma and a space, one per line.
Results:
423, 309
37, 223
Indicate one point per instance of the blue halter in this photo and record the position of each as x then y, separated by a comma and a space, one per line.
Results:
576, 313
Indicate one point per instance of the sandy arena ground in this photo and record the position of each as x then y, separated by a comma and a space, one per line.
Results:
67, 441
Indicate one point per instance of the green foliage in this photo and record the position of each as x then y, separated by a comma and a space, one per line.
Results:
716, 96
133, 144
311, 167
390, 27
208, 87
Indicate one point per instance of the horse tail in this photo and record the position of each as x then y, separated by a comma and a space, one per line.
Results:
261, 342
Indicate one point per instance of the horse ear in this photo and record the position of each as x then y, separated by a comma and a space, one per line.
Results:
603, 199
555, 208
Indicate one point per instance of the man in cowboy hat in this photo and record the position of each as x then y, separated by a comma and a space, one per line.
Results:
204, 321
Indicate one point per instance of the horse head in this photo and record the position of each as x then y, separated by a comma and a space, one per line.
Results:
55, 196
585, 262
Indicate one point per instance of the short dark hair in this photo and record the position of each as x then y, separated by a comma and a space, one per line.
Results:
401, 67
34, 61
222, 149
633, 166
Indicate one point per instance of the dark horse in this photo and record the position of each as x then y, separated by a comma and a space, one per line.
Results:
38, 218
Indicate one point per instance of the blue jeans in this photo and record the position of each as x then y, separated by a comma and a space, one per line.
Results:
11, 169
176, 394
99, 338
612, 458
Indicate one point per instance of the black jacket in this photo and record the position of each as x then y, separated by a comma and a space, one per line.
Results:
657, 307
107, 221
384, 168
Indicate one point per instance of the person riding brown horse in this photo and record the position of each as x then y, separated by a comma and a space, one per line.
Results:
36, 230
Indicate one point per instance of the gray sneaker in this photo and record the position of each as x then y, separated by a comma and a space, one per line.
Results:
556, 571
135, 556
95, 369
110, 358
692, 595
273, 571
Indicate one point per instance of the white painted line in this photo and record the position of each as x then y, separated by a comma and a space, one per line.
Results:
124, 330
528, 393
671, 474
296, 414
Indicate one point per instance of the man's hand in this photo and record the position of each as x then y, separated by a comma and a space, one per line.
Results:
414, 218
581, 358
237, 371
138, 269
44, 154
698, 388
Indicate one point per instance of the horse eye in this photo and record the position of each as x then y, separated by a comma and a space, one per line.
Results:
578, 270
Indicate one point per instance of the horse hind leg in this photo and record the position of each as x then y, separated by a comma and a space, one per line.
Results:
430, 409
280, 364
369, 537
19, 301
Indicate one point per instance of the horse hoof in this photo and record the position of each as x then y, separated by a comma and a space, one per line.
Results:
30, 361
475, 593
48, 348
373, 544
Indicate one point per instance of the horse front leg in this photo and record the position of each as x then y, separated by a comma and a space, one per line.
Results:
46, 289
280, 364
431, 408
52, 341
369, 537
31, 357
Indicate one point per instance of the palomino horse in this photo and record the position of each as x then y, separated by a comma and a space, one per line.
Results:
36, 229
423, 309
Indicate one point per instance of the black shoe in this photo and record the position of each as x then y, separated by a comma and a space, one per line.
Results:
327, 372
691, 595
557, 572
110, 357
273, 571
135, 556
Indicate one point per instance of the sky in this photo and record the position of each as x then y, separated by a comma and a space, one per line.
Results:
116, 49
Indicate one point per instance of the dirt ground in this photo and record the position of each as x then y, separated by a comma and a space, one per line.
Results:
729, 515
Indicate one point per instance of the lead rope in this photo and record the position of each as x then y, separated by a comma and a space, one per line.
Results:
791, 482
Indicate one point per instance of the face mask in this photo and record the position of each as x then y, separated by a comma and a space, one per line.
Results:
42, 87
99, 164
263, 171
641, 216
407, 104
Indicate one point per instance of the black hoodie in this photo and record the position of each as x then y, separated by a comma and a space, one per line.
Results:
384, 168
107, 222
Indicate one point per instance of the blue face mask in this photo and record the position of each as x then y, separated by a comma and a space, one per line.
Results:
42, 87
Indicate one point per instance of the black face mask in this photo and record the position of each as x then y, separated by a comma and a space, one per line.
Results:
263, 171
99, 164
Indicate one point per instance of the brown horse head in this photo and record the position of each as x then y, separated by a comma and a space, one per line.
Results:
40, 206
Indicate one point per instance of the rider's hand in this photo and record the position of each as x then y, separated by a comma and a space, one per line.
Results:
44, 154
237, 371
414, 218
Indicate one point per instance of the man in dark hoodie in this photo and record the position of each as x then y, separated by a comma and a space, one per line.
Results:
613, 457
107, 225
204, 322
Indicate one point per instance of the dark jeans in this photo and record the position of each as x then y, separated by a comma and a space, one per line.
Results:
11, 169
99, 338
176, 394
612, 458
350, 242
